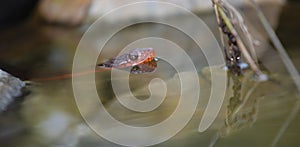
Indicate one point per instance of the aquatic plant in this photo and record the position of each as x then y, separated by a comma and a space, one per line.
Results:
230, 20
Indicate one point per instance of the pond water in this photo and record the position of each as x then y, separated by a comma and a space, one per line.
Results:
253, 113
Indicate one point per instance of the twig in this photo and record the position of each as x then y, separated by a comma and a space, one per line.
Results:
278, 45
289, 65
221, 32
220, 12
286, 123
237, 19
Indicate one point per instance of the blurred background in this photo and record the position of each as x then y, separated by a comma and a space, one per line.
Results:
38, 39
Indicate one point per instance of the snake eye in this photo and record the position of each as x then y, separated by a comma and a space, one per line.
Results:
133, 56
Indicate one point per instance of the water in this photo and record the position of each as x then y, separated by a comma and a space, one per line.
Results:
48, 116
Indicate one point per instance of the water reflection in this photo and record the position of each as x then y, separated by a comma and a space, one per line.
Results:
238, 115
51, 118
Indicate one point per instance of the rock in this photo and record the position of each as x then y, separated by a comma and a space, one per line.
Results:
74, 12
67, 12
100, 7
10, 88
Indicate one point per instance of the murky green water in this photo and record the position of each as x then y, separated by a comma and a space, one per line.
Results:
48, 116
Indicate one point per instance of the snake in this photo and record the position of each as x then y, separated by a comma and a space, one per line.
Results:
140, 60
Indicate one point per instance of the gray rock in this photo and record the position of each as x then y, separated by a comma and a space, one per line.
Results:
10, 88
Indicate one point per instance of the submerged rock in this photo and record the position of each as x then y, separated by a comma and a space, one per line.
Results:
10, 88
